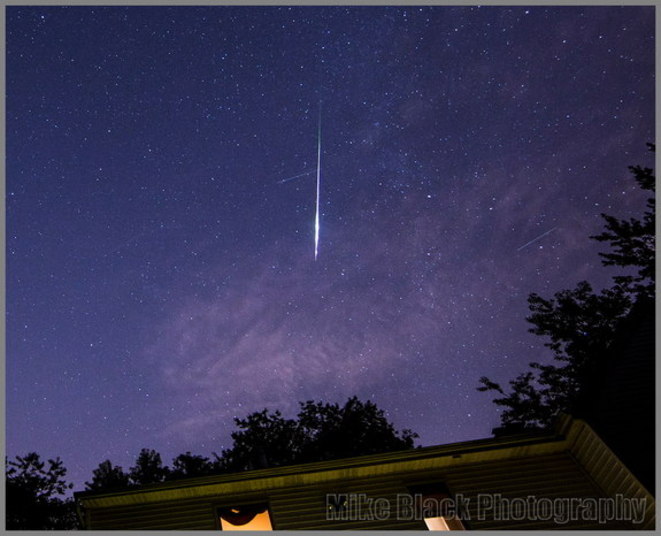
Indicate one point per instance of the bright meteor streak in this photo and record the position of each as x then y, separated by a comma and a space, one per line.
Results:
316, 216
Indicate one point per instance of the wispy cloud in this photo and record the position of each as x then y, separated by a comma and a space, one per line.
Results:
272, 339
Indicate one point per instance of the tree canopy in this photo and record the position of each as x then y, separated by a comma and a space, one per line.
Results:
188, 465
580, 325
148, 468
32, 489
107, 477
633, 241
320, 431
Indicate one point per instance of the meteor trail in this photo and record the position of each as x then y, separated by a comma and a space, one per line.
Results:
316, 216
295, 176
536, 239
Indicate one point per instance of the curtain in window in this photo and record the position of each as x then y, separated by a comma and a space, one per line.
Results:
241, 515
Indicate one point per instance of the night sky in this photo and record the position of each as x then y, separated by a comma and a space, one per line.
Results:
160, 269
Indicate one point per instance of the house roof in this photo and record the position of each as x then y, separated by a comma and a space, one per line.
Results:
520, 445
571, 437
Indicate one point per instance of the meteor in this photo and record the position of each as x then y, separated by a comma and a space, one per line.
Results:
295, 176
316, 216
318, 170
536, 239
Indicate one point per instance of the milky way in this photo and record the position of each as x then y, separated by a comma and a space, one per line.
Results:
160, 277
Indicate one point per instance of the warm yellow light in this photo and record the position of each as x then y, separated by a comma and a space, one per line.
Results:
259, 522
444, 523
436, 523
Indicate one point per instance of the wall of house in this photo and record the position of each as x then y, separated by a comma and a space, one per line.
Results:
304, 506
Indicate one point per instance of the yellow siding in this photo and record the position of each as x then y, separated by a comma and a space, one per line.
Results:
573, 463
304, 507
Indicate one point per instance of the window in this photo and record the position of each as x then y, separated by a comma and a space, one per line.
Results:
437, 508
443, 523
246, 517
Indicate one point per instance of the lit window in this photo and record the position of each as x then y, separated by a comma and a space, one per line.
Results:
247, 517
443, 523
438, 509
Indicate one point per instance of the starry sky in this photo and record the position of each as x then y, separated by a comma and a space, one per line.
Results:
160, 268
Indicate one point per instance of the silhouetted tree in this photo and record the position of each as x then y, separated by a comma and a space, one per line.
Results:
106, 477
633, 240
189, 465
266, 439
581, 326
148, 468
321, 432
354, 429
32, 489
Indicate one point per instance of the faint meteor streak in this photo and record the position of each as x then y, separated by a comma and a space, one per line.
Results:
536, 239
295, 176
316, 216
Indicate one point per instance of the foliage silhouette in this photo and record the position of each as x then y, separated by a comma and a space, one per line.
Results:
148, 468
581, 326
189, 465
32, 490
106, 477
633, 240
322, 431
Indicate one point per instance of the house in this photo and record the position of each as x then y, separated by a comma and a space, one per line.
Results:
620, 399
567, 478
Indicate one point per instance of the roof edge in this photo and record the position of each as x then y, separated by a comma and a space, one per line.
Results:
420, 453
